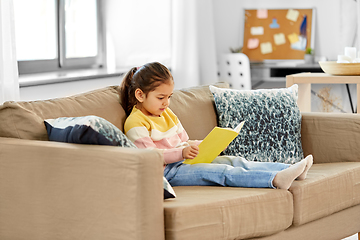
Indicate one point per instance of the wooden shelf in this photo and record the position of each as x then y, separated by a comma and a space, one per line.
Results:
279, 71
304, 81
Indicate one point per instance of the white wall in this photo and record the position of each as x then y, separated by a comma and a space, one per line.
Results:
140, 31
229, 23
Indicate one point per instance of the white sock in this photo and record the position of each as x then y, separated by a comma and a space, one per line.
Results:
309, 163
285, 178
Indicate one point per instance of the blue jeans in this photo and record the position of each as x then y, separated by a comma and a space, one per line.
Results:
224, 171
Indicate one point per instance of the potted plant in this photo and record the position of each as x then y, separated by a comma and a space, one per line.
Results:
236, 50
309, 55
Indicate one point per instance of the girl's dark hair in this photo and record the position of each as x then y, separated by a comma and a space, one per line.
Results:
147, 78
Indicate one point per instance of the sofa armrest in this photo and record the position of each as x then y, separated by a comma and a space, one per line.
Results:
52, 190
331, 137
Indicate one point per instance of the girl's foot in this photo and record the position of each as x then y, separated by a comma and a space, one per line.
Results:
309, 163
285, 178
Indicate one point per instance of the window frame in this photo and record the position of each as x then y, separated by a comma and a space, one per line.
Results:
61, 63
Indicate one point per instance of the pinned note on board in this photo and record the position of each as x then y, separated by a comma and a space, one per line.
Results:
257, 30
279, 39
299, 45
274, 23
262, 13
253, 43
293, 38
266, 47
292, 15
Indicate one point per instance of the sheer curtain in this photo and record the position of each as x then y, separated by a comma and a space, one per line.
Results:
9, 83
358, 24
348, 24
193, 43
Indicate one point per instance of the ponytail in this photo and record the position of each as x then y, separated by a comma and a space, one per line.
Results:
146, 78
127, 91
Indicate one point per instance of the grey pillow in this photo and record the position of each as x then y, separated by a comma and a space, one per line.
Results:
272, 130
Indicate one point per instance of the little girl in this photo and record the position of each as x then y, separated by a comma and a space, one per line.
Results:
145, 95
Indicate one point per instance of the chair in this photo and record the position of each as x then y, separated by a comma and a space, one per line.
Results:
234, 68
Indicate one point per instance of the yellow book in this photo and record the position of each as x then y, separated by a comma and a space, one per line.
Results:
214, 143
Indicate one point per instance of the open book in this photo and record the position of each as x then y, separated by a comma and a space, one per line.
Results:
214, 143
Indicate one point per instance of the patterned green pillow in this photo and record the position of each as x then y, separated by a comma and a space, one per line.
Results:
272, 130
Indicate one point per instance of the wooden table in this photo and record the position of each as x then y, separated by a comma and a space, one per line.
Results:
304, 81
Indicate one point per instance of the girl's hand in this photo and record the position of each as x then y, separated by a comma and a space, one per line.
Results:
190, 152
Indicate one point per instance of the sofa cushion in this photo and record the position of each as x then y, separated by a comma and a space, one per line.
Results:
196, 109
26, 119
200, 212
272, 129
328, 188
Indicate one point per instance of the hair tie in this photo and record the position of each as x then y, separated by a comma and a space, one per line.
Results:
137, 68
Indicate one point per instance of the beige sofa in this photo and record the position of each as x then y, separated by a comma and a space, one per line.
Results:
52, 190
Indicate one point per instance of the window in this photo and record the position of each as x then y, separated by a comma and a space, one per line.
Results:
53, 35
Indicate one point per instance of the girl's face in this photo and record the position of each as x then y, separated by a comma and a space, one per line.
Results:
156, 101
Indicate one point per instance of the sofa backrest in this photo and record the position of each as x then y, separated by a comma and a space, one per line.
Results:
194, 106
26, 119
196, 110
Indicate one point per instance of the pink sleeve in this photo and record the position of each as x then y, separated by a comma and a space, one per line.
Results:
173, 155
145, 142
170, 155
183, 136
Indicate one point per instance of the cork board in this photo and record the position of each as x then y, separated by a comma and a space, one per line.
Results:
278, 33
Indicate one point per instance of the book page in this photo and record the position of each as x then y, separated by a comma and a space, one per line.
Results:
239, 127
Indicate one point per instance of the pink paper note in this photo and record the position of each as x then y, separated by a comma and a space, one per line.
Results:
262, 13
253, 43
